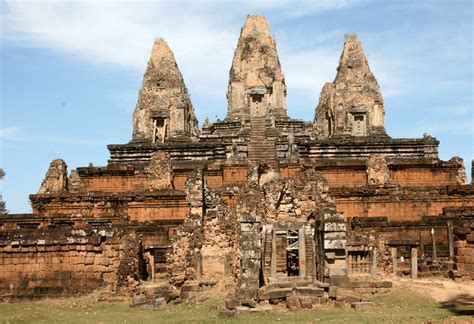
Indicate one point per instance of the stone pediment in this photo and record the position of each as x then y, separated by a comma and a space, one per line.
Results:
159, 113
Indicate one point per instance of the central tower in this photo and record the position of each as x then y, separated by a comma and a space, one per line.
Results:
256, 83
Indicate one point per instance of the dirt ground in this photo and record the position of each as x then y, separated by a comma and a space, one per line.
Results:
440, 289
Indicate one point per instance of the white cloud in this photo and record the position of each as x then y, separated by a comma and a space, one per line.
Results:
9, 133
202, 34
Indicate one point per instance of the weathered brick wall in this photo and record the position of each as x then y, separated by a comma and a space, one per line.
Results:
140, 206
464, 250
401, 204
384, 234
109, 183
57, 262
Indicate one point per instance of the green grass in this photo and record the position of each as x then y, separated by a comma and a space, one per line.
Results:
394, 307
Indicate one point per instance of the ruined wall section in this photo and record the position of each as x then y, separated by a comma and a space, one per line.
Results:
55, 180
256, 82
352, 104
443, 245
185, 259
60, 261
464, 248
377, 170
220, 248
160, 171
205, 247
401, 203
164, 108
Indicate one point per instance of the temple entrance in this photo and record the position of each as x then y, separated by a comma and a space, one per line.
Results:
256, 105
292, 254
287, 253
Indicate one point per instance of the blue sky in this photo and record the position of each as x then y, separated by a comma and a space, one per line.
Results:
71, 70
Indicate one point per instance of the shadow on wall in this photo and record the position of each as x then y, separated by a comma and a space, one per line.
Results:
460, 305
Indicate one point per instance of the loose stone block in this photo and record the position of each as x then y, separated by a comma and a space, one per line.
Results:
309, 291
362, 305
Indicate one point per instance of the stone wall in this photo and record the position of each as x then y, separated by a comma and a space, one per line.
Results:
464, 250
432, 237
401, 203
59, 261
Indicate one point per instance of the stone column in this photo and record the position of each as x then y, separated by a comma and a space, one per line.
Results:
152, 266
302, 252
433, 237
250, 256
373, 264
394, 260
273, 267
414, 263
449, 226
422, 247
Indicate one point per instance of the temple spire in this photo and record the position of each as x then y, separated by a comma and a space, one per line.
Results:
164, 110
256, 82
352, 104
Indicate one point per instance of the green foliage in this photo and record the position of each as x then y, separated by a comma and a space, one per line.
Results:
3, 207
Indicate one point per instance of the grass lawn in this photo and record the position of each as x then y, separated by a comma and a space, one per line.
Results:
399, 305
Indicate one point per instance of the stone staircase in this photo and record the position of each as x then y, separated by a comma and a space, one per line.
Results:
260, 148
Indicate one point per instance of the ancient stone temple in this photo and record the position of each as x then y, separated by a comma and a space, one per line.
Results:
269, 207
164, 110
352, 103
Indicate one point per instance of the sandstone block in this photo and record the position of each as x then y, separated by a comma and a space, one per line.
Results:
362, 305
310, 291
160, 302
275, 293
293, 303
306, 302
227, 312
230, 303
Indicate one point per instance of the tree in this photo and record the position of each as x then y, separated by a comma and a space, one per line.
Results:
3, 209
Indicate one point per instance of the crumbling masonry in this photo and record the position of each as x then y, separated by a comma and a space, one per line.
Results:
262, 205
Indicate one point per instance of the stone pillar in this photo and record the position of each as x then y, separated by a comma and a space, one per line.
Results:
152, 266
302, 252
449, 226
250, 260
422, 247
414, 263
273, 268
373, 263
394, 260
433, 237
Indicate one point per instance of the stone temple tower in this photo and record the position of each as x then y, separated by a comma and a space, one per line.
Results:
256, 82
164, 111
352, 104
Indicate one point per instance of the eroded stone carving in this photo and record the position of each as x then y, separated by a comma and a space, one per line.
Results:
164, 109
160, 171
461, 177
352, 104
55, 180
74, 182
377, 170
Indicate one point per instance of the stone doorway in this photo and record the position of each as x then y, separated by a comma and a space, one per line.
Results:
292, 254
256, 105
359, 125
